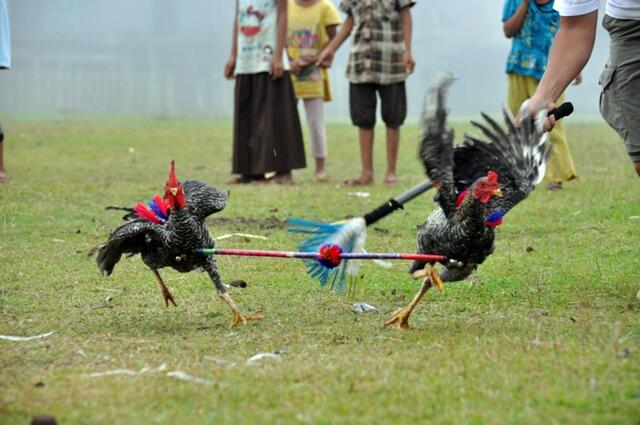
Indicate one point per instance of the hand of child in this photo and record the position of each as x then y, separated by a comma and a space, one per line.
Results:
296, 67
325, 59
277, 70
229, 67
409, 63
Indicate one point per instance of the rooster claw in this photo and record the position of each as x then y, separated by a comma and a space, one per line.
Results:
400, 319
168, 297
240, 318
436, 280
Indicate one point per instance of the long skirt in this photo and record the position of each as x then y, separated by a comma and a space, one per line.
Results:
267, 134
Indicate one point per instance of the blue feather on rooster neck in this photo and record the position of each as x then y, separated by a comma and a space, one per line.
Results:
494, 219
153, 206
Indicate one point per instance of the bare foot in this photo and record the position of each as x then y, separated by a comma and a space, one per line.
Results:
283, 177
390, 179
321, 176
359, 181
554, 186
239, 180
4, 177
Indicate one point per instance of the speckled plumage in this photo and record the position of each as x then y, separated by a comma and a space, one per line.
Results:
171, 244
516, 154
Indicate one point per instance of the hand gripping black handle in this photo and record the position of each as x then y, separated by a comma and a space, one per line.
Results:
396, 203
562, 111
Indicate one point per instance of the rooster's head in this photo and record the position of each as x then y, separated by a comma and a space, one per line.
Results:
173, 192
486, 188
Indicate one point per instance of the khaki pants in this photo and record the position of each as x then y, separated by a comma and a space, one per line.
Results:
560, 163
620, 81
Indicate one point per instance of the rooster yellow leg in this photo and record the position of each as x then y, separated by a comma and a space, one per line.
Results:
238, 318
431, 278
166, 294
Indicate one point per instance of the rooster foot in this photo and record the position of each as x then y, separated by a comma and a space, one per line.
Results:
166, 294
400, 319
241, 319
168, 297
431, 278
431, 274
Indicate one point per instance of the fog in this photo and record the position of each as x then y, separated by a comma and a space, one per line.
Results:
163, 58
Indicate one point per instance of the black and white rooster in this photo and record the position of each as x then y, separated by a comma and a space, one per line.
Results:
169, 234
478, 182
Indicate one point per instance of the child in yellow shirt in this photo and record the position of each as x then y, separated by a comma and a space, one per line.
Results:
311, 25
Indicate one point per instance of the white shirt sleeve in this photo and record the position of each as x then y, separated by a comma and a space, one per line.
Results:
575, 7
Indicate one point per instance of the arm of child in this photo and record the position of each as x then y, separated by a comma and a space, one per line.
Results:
230, 66
512, 25
326, 57
407, 32
277, 69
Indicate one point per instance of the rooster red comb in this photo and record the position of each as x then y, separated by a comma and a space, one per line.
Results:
492, 177
173, 180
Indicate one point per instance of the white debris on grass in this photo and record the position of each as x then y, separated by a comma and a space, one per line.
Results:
184, 376
363, 308
359, 194
25, 338
634, 217
276, 355
240, 235
129, 372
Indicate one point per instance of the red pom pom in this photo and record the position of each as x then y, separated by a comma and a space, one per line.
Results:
329, 255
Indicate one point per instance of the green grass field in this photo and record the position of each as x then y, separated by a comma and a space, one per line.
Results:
545, 332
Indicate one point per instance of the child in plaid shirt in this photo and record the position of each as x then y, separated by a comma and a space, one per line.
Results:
379, 62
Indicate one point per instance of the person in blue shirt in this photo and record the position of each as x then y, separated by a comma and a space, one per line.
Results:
5, 63
532, 25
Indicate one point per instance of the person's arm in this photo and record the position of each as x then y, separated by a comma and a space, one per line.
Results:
407, 32
326, 57
569, 54
230, 66
332, 30
331, 34
277, 69
512, 26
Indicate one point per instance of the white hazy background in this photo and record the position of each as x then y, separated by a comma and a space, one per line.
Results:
164, 58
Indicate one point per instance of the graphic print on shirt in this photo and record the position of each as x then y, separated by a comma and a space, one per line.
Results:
308, 44
251, 22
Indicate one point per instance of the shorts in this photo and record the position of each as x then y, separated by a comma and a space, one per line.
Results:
362, 104
1, 134
620, 81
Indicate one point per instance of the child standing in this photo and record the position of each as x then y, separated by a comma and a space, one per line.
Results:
5, 63
379, 63
267, 135
533, 24
312, 24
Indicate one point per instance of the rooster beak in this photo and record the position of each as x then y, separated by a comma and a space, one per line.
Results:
174, 191
497, 193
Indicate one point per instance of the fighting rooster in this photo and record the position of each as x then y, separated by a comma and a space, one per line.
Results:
168, 235
478, 182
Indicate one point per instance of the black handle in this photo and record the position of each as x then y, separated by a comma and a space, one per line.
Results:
562, 111
396, 203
